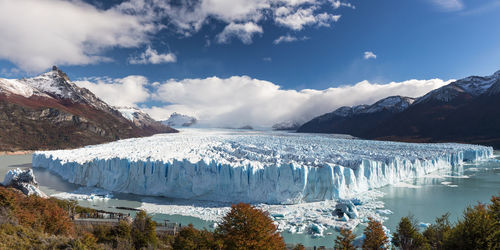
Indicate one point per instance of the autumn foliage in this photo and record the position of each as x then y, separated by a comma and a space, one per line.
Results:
37, 213
375, 237
246, 227
345, 241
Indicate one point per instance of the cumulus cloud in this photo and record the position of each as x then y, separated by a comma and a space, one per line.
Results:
242, 31
189, 16
126, 92
153, 57
370, 55
288, 39
337, 4
37, 34
448, 5
73, 32
242, 100
298, 19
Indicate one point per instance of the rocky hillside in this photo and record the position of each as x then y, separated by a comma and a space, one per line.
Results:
353, 120
467, 110
51, 112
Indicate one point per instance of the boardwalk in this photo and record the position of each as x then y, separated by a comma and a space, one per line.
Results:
166, 227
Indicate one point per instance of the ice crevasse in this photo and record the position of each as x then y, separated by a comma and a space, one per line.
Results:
255, 167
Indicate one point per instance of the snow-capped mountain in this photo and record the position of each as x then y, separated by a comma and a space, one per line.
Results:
392, 104
466, 110
348, 120
467, 88
139, 118
180, 120
54, 84
287, 125
49, 111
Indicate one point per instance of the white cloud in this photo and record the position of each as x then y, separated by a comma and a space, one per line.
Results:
242, 31
370, 55
126, 92
190, 16
288, 39
448, 5
302, 17
267, 59
241, 100
36, 34
151, 56
337, 4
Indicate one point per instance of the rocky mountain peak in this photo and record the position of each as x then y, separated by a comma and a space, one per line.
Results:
180, 120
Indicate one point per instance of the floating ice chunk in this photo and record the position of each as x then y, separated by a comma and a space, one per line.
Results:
85, 193
448, 184
23, 180
384, 211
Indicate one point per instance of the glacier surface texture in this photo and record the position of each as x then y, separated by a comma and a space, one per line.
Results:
255, 167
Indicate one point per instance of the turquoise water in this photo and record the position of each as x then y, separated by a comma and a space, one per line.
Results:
433, 197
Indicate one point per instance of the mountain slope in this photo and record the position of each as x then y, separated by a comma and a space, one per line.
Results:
141, 119
352, 120
468, 114
467, 110
51, 112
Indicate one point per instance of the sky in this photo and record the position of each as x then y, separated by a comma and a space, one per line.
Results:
250, 62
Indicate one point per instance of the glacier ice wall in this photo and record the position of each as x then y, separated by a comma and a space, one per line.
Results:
269, 167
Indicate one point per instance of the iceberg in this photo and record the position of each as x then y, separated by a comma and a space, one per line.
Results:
252, 166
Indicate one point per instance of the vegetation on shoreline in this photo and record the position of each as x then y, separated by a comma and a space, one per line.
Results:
37, 223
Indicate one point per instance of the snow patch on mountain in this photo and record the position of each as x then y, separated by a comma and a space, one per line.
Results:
473, 85
54, 84
269, 167
180, 120
13, 86
392, 104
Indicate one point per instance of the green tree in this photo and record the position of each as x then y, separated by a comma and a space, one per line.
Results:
436, 233
474, 231
143, 231
345, 240
246, 227
189, 238
407, 236
375, 237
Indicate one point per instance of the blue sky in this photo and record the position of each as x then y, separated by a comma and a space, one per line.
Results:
326, 47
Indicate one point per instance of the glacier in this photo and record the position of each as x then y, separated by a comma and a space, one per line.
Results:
253, 166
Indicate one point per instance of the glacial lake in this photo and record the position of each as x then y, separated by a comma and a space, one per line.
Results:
425, 198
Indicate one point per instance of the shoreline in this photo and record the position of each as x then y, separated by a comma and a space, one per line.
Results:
24, 152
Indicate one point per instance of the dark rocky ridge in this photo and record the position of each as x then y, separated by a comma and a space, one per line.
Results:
465, 111
68, 117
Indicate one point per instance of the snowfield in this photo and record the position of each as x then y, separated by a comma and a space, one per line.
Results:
254, 167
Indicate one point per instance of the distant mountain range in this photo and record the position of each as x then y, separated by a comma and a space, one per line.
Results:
180, 120
467, 111
51, 112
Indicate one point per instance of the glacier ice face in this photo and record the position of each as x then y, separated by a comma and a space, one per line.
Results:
255, 167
